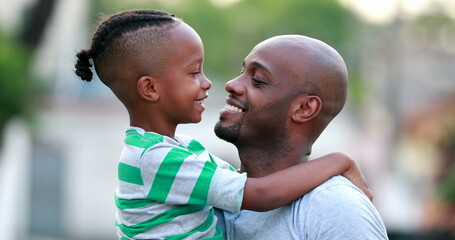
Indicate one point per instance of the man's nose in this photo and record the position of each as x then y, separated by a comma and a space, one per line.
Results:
235, 86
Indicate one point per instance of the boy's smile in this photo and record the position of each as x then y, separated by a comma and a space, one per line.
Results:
200, 102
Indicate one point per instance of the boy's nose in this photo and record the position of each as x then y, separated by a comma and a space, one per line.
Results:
206, 84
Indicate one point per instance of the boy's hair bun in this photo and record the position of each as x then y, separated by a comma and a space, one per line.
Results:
83, 66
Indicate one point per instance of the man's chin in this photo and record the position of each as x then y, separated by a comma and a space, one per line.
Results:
227, 133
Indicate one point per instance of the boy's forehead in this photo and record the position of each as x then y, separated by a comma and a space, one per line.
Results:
184, 47
185, 31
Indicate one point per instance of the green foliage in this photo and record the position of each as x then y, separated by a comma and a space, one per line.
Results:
446, 186
229, 33
13, 80
357, 89
434, 20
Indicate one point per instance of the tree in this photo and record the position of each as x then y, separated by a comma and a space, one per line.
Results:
15, 58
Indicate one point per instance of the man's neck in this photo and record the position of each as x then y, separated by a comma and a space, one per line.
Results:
262, 161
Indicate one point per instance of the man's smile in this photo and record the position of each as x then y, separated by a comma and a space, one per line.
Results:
233, 108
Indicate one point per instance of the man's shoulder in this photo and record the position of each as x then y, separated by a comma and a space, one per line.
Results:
340, 208
334, 190
336, 183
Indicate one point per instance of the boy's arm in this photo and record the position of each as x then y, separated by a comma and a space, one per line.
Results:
280, 188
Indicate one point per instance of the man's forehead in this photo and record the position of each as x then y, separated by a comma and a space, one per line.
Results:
260, 58
278, 56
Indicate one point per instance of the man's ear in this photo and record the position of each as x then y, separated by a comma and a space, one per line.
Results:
306, 108
146, 88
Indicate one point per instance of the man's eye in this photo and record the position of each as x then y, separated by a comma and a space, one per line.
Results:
195, 72
258, 82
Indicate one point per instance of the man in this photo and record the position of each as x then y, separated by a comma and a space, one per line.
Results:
288, 91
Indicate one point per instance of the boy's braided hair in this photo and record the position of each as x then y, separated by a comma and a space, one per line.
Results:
114, 27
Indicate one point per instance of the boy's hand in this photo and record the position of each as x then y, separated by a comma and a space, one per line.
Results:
355, 175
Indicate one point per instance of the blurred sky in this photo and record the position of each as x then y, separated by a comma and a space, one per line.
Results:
383, 11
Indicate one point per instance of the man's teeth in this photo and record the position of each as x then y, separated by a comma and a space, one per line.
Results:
199, 101
233, 108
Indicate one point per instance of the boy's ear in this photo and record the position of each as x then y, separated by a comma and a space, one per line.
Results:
146, 88
306, 108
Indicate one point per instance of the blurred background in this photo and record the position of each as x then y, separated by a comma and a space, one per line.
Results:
61, 137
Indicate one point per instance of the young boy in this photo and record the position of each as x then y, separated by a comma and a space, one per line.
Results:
168, 183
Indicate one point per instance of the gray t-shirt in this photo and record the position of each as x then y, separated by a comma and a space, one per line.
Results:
334, 210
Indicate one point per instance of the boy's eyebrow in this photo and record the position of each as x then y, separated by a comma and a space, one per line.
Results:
196, 61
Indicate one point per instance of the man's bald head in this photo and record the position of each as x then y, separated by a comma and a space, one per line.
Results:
314, 68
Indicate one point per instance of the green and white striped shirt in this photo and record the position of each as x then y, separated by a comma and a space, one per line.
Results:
167, 188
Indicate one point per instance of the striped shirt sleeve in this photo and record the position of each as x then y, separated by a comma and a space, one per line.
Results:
187, 176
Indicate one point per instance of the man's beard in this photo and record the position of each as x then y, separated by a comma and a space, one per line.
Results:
229, 134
